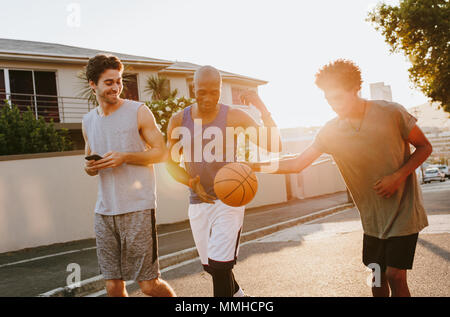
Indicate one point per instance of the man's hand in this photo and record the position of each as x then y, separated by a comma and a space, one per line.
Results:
90, 168
110, 160
200, 191
251, 97
388, 185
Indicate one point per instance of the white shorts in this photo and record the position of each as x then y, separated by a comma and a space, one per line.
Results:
216, 229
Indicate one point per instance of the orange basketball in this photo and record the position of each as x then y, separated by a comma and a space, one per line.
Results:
235, 184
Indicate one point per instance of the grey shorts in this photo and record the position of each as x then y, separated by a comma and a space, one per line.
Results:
127, 246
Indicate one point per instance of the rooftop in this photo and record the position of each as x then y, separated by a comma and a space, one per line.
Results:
11, 49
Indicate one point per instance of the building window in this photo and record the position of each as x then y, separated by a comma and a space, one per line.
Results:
46, 95
35, 89
2, 86
130, 87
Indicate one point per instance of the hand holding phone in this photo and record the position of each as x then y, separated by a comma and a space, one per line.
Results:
94, 157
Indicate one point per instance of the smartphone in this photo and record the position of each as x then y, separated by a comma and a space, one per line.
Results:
94, 157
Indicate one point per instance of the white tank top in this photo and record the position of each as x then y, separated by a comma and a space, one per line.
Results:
127, 188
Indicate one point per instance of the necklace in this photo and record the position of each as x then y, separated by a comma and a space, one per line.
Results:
362, 119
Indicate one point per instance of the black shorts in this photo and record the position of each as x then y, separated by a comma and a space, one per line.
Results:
397, 252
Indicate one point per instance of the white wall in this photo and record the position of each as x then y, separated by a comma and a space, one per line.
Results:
45, 201
318, 179
51, 200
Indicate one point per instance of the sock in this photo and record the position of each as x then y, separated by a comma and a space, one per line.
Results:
239, 293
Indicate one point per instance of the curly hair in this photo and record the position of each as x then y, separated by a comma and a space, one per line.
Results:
341, 73
99, 63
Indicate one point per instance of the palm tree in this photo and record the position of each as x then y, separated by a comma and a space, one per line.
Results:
159, 87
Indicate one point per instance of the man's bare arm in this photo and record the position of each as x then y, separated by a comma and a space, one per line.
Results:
264, 134
271, 131
91, 171
173, 161
289, 165
388, 185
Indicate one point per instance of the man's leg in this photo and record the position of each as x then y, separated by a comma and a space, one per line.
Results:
373, 257
397, 282
116, 288
139, 252
238, 292
223, 248
399, 258
223, 284
157, 288
108, 255
383, 289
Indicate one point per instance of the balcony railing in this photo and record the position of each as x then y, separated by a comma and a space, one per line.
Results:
59, 108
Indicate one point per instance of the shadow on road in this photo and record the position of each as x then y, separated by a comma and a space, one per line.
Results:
435, 249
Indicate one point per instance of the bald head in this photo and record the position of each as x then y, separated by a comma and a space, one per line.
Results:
207, 86
207, 74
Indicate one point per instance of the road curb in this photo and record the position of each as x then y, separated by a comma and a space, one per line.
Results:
97, 283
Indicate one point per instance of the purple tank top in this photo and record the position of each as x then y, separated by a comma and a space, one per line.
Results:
199, 164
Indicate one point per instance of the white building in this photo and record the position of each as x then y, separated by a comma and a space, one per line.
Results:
44, 76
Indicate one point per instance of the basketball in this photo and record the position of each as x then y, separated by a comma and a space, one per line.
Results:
235, 184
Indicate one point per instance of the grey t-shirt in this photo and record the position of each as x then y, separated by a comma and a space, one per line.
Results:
379, 149
127, 188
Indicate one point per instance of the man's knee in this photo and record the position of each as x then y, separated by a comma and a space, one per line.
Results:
115, 287
396, 276
151, 287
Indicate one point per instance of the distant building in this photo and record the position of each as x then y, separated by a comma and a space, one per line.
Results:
441, 145
435, 123
380, 91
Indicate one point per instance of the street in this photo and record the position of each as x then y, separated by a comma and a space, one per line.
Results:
323, 258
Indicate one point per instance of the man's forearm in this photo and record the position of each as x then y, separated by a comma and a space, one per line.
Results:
417, 158
178, 173
283, 166
289, 165
150, 156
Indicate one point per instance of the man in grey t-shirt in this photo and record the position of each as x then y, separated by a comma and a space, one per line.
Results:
124, 133
370, 143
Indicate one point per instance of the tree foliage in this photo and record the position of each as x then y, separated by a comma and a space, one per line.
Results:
159, 87
420, 29
21, 133
164, 109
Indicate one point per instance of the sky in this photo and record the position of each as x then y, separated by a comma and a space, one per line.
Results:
283, 42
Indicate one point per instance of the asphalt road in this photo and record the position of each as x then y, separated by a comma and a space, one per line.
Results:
39, 270
323, 258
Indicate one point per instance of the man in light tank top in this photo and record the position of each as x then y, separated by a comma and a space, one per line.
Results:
216, 227
370, 143
124, 133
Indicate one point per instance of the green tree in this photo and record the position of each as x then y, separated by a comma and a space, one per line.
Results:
164, 109
159, 87
21, 133
420, 29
